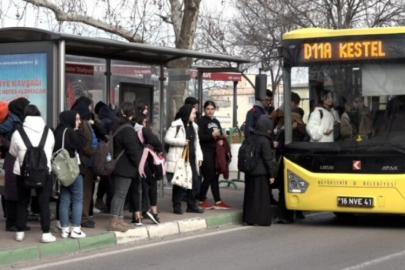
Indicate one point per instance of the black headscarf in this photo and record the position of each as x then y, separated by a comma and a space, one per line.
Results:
82, 99
17, 106
184, 114
83, 110
67, 119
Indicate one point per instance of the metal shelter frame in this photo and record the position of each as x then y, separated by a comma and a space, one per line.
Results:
109, 50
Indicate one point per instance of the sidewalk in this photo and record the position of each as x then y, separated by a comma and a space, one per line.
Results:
12, 252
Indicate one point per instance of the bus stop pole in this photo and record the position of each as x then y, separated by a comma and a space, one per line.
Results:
62, 96
200, 91
235, 105
287, 105
108, 80
162, 80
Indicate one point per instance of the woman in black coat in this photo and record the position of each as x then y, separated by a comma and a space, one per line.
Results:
256, 204
126, 147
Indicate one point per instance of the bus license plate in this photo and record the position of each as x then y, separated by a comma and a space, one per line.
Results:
355, 202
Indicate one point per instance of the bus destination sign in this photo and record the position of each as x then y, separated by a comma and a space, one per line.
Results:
343, 50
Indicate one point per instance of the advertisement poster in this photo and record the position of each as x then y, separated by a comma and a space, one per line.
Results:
24, 75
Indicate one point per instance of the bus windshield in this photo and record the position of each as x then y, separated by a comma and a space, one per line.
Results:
346, 103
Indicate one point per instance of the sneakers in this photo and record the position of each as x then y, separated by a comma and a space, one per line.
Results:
77, 233
88, 224
19, 236
205, 204
137, 221
153, 217
48, 238
195, 209
221, 205
96, 211
65, 232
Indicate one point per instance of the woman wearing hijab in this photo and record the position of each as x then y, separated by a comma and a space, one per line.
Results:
91, 143
126, 146
14, 119
182, 132
256, 203
34, 128
73, 141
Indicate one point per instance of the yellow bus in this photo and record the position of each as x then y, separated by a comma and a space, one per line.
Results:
362, 168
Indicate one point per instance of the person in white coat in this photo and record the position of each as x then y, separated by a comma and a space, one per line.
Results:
34, 127
322, 119
182, 132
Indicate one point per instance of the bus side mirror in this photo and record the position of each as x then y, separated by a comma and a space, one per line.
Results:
260, 87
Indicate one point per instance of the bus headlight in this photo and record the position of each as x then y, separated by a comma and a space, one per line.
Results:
295, 183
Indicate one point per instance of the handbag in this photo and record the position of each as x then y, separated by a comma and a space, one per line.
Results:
183, 175
65, 168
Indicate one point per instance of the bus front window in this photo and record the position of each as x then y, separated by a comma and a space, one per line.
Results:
349, 103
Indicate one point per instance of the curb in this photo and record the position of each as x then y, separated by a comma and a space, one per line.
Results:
110, 239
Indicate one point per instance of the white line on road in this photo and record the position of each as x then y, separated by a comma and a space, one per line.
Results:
376, 261
103, 254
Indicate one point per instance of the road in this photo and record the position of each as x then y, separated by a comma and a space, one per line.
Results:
321, 241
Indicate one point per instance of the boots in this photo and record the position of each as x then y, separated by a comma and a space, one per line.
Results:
115, 225
122, 222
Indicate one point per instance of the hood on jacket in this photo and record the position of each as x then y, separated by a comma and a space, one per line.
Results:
98, 106
34, 123
107, 112
81, 99
138, 127
184, 113
263, 126
83, 110
17, 107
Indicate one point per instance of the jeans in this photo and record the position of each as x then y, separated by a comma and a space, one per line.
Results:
24, 197
72, 194
121, 187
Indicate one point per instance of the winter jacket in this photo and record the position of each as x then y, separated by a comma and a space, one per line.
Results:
206, 126
316, 127
34, 127
127, 140
266, 163
177, 144
223, 157
252, 117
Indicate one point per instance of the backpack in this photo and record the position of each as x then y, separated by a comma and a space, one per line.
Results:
158, 168
65, 168
34, 169
247, 155
167, 146
103, 162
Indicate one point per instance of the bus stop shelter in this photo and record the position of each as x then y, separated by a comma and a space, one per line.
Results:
33, 64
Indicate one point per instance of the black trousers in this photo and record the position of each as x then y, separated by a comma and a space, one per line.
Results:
135, 195
211, 177
11, 212
24, 196
3, 205
149, 193
105, 187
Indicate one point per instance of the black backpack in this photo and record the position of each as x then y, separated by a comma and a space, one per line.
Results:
247, 155
34, 169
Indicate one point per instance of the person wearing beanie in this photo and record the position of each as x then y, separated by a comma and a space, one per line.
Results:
88, 102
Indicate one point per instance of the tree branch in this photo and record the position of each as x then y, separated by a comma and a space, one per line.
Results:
62, 16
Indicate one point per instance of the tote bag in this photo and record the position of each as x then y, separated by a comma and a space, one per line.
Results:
183, 175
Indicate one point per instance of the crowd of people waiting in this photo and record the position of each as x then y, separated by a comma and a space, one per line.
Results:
26, 142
